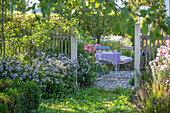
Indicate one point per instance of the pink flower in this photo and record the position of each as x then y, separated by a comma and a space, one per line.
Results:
97, 45
169, 61
162, 68
159, 53
152, 67
164, 61
92, 45
85, 48
167, 81
158, 59
85, 45
158, 66
165, 66
155, 60
163, 47
164, 52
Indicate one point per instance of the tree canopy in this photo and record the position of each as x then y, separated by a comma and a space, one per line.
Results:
97, 17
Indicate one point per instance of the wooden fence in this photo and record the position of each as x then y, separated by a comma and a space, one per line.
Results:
150, 49
55, 44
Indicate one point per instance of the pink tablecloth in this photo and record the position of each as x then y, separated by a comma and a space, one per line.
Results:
113, 57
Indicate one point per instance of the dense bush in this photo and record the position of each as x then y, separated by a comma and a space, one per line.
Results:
18, 96
55, 74
86, 74
49, 73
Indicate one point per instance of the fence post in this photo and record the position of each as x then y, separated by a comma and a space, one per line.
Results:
74, 49
73, 46
137, 52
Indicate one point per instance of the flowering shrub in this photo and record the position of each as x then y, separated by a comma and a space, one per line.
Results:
86, 69
161, 65
85, 72
54, 75
90, 48
51, 73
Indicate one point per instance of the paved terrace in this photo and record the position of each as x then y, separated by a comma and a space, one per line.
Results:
114, 80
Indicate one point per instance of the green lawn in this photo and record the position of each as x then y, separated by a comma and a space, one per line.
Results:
90, 100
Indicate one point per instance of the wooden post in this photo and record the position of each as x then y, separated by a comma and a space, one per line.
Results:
73, 46
74, 49
137, 52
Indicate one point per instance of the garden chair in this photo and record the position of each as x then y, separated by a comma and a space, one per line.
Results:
99, 60
126, 60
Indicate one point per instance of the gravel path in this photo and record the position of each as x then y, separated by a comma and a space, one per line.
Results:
114, 80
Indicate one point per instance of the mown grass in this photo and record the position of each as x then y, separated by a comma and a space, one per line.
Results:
90, 101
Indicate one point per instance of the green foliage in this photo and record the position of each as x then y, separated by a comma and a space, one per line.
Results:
145, 77
3, 108
27, 33
131, 82
11, 99
155, 16
30, 98
18, 96
96, 17
91, 100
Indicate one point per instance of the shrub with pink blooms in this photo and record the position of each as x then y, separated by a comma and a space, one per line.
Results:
90, 48
161, 65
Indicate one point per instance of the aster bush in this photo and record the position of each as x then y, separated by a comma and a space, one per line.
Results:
52, 74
